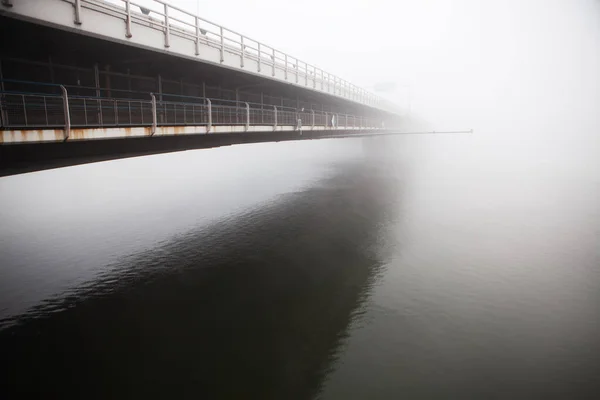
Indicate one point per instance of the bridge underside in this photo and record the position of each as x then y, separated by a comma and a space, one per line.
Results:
108, 86
22, 158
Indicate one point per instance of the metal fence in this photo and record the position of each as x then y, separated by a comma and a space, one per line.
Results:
37, 110
175, 21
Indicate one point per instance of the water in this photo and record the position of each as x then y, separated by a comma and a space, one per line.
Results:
415, 267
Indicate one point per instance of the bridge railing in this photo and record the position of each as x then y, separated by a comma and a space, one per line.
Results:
22, 110
174, 21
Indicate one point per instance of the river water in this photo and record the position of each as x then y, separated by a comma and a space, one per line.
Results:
407, 267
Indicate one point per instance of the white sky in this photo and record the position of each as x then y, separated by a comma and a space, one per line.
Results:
464, 51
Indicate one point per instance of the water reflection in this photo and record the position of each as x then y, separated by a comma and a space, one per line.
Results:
253, 306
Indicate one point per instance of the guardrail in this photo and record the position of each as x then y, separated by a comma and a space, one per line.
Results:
22, 110
173, 21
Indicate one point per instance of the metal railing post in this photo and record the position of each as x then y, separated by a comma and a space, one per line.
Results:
85, 111
128, 19
274, 118
209, 126
167, 29
259, 57
312, 125
273, 56
197, 36
243, 51
305, 74
116, 112
322, 78
77, 6
67, 112
222, 49
314, 77
45, 110
24, 108
286, 66
247, 116
153, 102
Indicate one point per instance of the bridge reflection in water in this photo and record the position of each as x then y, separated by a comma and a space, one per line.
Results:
254, 306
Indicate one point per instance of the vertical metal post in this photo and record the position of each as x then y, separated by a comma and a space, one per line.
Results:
85, 111
116, 112
322, 78
3, 116
315, 78
326, 121
45, 110
259, 57
273, 56
312, 125
77, 6
275, 118
197, 36
128, 19
154, 119
243, 51
286, 66
237, 105
142, 112
305, 74
167, 29
346, 121
222, 49
24, 108
193, 114
296, 66
208, 127
98, 93
66, 111
247, 116
262, 113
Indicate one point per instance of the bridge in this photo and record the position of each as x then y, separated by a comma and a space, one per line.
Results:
77, 77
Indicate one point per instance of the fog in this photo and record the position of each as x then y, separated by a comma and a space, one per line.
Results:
522, 74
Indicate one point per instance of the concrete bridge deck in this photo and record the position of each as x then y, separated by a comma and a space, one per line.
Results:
74, 71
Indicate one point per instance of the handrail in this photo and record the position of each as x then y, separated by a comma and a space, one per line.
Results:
22, 110
336, 85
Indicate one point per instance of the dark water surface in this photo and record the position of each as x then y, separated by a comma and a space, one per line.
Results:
334, 269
